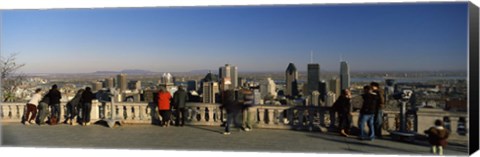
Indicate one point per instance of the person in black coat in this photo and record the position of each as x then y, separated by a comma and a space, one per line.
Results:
233, 108
86, 101
343, 106
54, 95
370, 100
180, 98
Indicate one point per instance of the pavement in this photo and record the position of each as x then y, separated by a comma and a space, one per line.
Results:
151, 137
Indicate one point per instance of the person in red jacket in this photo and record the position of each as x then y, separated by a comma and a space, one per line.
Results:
164, 106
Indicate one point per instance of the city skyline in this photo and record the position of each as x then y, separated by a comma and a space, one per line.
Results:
384, 37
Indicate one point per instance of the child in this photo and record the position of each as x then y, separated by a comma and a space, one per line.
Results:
437, 137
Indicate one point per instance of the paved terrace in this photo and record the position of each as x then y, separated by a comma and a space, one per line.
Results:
206, 138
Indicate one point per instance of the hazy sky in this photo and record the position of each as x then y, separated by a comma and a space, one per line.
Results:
430, 36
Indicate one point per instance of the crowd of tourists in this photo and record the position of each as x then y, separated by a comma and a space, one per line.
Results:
234, 102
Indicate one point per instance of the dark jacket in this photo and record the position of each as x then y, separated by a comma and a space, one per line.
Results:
87, 97
54, 96
229, 102
76, 100
343, 105
180, 98
437, 136
381, 95
369, 103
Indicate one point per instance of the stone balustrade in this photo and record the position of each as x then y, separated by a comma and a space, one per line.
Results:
265, 116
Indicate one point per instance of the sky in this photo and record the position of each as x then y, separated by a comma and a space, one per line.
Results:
370, 37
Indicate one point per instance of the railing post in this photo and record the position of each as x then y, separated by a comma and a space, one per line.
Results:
136, 113
95, 111
120, 111
270, 116
261, 115
210, 113
142, 110
202, 114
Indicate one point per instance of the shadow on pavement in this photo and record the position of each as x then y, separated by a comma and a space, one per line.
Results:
205, 129
350, 140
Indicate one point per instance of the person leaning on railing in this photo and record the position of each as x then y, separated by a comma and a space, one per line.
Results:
32, 107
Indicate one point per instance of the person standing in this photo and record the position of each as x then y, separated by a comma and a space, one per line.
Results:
232, 107
86, 101
378, 119
344, 107
180, 98
164, 106
367, 112
72, 106
32, 107
248, 113
54, 95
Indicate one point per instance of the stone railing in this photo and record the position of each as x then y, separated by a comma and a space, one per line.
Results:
265, 116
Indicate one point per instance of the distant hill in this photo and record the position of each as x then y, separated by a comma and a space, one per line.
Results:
127, 71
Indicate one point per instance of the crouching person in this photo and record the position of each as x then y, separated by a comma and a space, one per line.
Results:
437, 137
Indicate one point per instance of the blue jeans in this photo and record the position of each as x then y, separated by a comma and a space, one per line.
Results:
378, 122
231, 117
367, 118
87, 108
56, 111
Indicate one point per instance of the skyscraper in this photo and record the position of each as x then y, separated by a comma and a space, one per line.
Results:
230, 73
344, 75
209, 91
122, 82
135, 85
109, 83
334, 85
291, 76
267, 88
313, 78
315, 101
96, 85
192, 85
323, 90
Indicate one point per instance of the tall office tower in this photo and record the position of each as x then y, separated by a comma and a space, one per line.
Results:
122, 82
209, 91
96, 86
242, 82
344, 75
230, 73
291, 76
267, 88
323, 89
334, 85
257, 97
330, 99
109, 83
135, 85
313, 78
315, 98
192, 85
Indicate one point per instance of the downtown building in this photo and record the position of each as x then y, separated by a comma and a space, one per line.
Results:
109, 83
344, 75
268, 88
291, 78
96, 86
313, 78
122, 82
228, 76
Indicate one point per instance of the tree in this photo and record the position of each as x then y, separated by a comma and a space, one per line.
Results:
10, 79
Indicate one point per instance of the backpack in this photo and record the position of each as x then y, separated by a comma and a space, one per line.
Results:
53, 120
